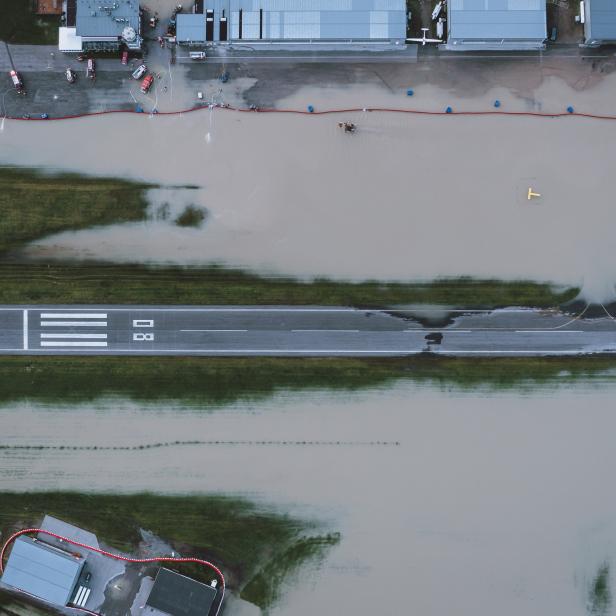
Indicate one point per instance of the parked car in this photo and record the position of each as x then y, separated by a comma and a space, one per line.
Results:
71, 75
17, 82
91, 69
125, 57
146, 84
88, 577
140, 71
197, 55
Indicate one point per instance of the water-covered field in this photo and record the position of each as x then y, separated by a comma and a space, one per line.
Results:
446, 502
406, 197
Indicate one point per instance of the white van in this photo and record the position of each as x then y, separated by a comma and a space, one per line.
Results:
197, 55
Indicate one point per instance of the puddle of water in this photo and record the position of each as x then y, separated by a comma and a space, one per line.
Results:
503, 500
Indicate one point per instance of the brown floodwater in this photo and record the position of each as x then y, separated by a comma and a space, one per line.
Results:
406, 197
491, 503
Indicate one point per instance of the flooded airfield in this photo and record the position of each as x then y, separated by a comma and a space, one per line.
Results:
405, 197
447, 502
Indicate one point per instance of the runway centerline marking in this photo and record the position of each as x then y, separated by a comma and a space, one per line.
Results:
549, 331
214, 330
320, 331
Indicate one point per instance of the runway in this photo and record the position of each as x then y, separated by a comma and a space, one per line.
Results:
295, 331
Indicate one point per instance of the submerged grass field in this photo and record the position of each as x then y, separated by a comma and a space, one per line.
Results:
245, 540
210, 382
36, 205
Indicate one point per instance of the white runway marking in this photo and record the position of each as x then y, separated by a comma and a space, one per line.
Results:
61, 343
73, 315
93, 336
350, 331
25, 330
74, 323
213, 330
548, 331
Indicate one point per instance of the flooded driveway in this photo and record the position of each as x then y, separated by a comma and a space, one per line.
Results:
447, 502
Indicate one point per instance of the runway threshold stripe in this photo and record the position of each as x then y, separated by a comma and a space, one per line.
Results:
73, 323
73, 315
93, 336
62, 343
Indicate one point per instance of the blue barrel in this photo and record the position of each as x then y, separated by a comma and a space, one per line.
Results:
310, 108
449, 110
138, 109
497, 104
409, 92
570, 109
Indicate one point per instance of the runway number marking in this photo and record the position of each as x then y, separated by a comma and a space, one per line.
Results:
142, 336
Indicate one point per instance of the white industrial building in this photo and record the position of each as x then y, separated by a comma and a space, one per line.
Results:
294, 21
100, 25
495, 25
599, 17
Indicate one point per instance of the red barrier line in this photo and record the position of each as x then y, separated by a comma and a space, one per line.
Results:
115, 556
536, 114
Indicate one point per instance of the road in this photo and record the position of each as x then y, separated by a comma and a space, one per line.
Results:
295, 331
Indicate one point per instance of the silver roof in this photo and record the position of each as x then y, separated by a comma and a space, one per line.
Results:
106, 18
190, 27
42, 571
600, 20
486, 20
317, 19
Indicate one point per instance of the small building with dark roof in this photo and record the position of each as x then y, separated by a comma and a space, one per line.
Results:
177, 595
599, 22
43, 571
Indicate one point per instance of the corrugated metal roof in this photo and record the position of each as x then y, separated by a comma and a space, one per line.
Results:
106, 18
319, 19
42, 571
190, 27
497, 19
600, 20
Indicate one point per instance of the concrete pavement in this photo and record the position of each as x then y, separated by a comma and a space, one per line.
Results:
295, 331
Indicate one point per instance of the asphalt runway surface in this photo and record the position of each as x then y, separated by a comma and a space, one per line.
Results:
295, 331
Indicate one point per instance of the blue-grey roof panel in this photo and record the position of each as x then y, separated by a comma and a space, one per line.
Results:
106, 18
41, 571
324, 19
190, 27
497, 19
601, 19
